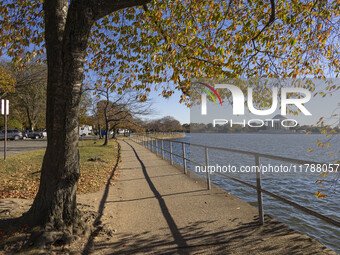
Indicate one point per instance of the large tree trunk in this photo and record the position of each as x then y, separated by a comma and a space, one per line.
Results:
66, 43
67, 29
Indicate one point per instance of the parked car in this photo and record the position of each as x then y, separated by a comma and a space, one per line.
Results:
24, 135
44, 132
12, 134
33, 134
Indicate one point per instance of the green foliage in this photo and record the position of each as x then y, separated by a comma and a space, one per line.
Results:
28, 96
85, 104
7, 81
174, 42
11, 124
171, 42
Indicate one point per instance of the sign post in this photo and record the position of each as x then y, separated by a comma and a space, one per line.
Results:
5, 111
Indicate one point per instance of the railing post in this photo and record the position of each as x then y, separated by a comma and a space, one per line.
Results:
184, 161
156, 142
207, 167
171, 161
259, 192
162, 149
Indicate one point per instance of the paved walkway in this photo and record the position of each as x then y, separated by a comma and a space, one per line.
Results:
156, 209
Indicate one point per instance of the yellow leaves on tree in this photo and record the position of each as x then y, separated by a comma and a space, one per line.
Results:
7, 81
176, 41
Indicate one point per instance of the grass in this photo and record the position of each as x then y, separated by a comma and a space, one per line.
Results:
20, 173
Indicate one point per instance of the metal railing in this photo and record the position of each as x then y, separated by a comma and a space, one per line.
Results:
162, 134
153, 142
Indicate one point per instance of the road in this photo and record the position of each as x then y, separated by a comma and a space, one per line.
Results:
15, 147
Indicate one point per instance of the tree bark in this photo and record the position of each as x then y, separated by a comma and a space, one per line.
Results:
100, 131
107, 132
67, 29
29, 119
106, 120
66, 43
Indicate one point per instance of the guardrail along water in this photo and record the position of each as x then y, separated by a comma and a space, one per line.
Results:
156, 145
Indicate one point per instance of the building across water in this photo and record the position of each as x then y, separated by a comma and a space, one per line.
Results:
275, 125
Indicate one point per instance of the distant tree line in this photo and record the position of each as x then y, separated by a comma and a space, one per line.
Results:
202, 128
165, 124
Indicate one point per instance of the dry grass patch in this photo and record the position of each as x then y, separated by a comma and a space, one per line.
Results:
20, 173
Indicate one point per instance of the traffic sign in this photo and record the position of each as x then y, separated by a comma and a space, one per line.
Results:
4, 106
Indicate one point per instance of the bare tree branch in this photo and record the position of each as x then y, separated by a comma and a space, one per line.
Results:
270, 21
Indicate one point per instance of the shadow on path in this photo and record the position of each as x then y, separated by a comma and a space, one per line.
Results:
179, 240
97, 222
144, 198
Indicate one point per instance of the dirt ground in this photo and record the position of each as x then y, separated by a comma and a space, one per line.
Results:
88, 205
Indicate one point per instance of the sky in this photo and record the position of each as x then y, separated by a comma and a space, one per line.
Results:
319, 107
169, 107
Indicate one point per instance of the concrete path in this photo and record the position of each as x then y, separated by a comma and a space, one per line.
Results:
156, 209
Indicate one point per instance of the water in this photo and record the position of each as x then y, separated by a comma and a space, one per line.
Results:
297, 188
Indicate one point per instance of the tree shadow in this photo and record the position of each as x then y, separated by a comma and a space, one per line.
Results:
246, 238
136, 179
97, 221
176, 234
152, 197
